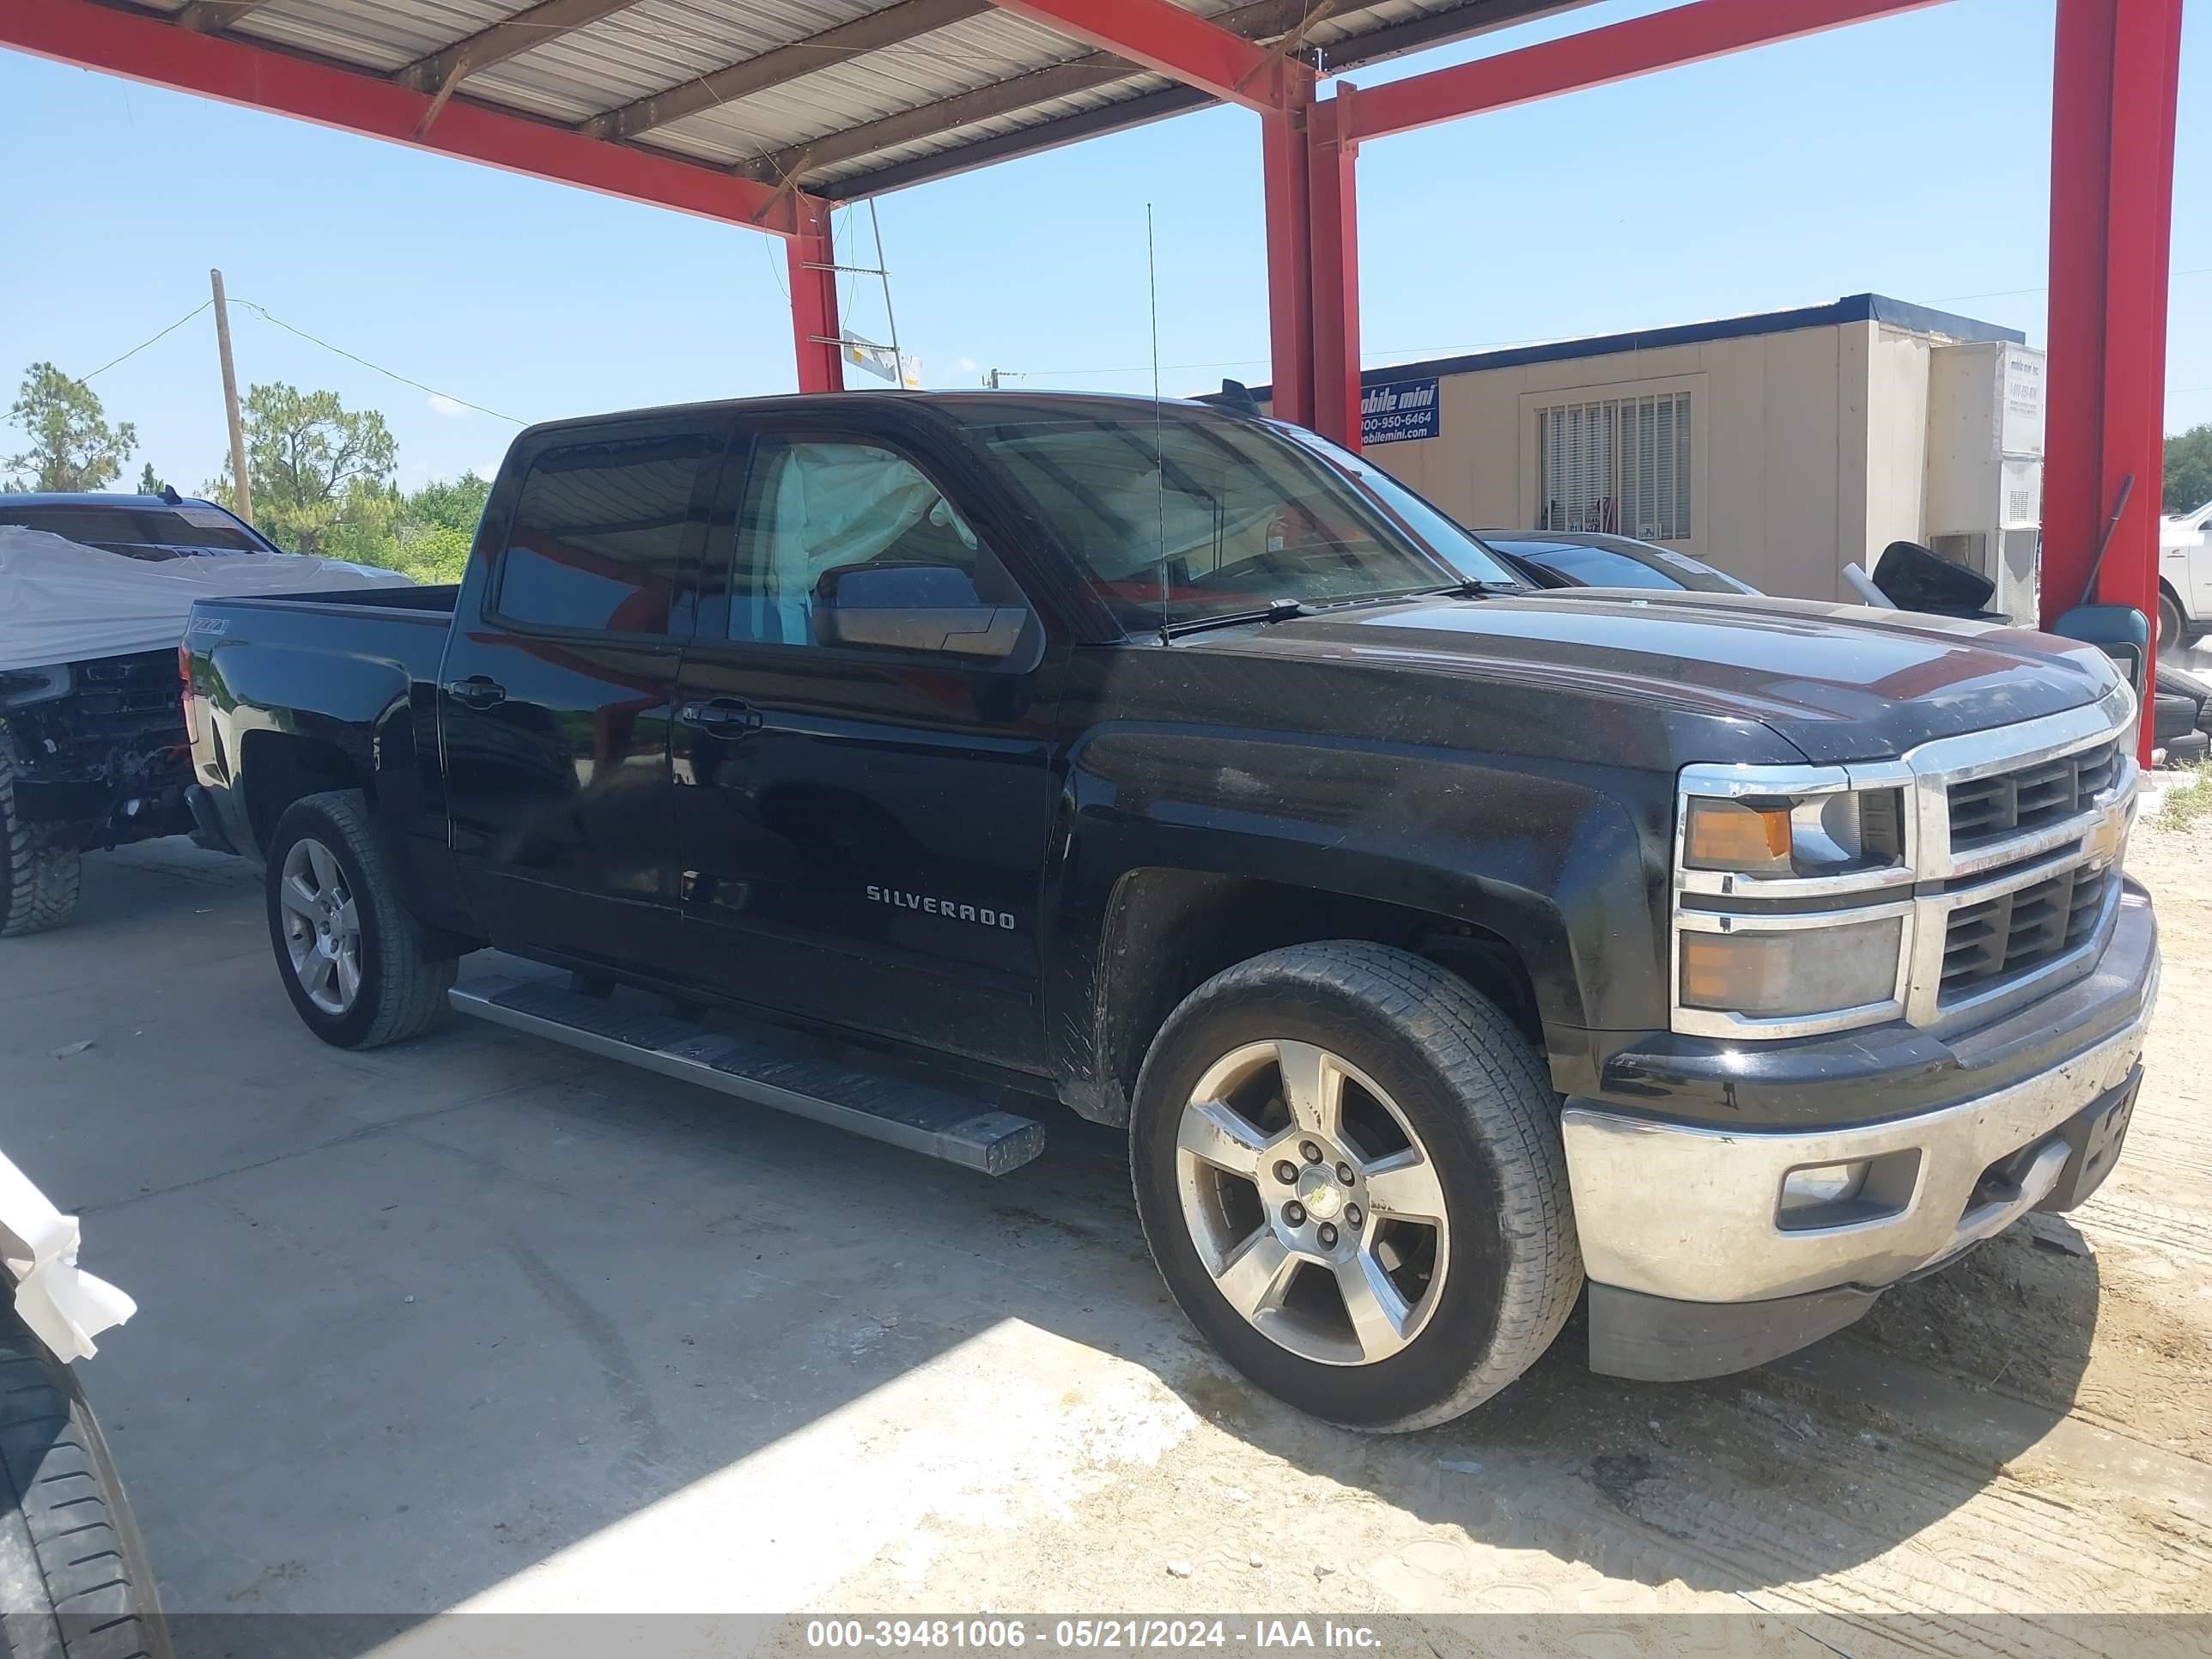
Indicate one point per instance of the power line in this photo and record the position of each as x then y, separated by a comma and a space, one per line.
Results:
142, 345
266, 315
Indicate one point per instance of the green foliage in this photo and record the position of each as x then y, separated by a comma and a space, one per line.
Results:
2189, 798
2189, 470
320, 472
322, 484
72, 445
147, 483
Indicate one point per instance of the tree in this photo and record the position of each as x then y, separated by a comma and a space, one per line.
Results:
147, 483
72, 445
320, 472
2189, 470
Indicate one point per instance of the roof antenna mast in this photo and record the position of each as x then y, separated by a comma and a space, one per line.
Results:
1159, 463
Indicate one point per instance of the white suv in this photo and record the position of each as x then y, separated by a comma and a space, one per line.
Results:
2185, 577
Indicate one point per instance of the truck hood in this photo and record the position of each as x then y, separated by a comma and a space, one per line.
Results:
1841, 683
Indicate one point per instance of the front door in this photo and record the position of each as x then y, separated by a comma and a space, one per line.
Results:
861, 824
556, 688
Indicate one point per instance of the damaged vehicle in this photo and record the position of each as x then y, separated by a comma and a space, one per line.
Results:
95, 589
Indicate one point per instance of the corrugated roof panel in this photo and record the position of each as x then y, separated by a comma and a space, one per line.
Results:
1113, 92
380, 34
960, 58
655, 44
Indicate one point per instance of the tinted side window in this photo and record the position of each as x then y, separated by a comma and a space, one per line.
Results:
817, 505
1601, 567
600, 535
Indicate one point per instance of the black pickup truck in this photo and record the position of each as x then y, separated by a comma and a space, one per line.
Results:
914, 761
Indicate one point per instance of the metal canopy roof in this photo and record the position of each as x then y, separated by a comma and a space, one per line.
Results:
839, 99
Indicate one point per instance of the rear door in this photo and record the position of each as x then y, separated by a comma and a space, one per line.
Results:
861, 827
557, 688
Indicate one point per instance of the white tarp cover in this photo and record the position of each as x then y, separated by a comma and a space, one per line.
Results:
64, 1306
61, 601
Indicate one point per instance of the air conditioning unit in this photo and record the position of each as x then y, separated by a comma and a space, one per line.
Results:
1983, 500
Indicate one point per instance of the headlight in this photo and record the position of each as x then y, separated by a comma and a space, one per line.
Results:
1801, 970
1833, 832
1792, 900
19, 686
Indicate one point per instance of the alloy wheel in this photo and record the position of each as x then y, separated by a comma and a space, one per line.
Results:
1312, 1202
322, 925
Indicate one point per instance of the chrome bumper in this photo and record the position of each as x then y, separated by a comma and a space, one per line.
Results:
1693, 1213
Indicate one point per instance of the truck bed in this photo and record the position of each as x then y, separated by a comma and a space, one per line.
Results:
433, 603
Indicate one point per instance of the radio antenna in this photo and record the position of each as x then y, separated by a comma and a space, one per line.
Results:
1159, 449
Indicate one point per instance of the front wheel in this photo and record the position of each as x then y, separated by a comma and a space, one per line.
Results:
2172, 631
360, 971
1349, 1169
37, 878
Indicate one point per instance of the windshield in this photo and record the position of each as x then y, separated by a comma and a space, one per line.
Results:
140, 531
1622, 563
1230, 515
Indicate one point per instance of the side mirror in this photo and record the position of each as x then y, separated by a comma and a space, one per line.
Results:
2120, 631
914, 607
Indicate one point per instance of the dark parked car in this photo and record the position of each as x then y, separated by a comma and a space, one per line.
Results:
1444, 945
164, 526
1585, 559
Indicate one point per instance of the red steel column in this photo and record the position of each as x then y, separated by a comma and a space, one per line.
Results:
2117, 81
1333, 205
814, 324
1284, 155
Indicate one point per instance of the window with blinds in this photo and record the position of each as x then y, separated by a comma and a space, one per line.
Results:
1618, 466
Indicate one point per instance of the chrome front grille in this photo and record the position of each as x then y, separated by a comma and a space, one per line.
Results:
1986, 811
1995, 940
1997, 852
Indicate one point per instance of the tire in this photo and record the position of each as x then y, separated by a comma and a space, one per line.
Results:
38, 880
2171, 715
1453, 1079
399, 989
74, 1578
2173, 629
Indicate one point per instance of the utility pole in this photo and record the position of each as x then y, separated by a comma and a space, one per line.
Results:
242, 491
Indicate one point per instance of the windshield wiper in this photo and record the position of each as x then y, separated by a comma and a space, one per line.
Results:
1283, 610
1476, 587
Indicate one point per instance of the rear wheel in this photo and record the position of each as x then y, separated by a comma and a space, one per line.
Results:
73, 1579
38, 880
360, 969
1349, 1168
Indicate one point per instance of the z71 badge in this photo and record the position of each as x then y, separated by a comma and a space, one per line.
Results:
942, 907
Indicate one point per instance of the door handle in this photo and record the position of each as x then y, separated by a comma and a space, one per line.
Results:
477, 691
719, 714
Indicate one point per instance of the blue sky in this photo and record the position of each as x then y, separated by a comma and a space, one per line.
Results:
1909, 157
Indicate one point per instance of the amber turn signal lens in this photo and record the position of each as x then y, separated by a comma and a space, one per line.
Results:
1727, 835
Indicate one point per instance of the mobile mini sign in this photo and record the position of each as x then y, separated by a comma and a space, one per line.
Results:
1398, 412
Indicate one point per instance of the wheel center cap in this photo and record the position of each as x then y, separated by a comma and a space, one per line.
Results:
1319, 1192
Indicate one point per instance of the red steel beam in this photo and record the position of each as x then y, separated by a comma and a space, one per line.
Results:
1285, 165
1333, 210
1597, 57
815, 326
1164, 38
144, 47
2113, 99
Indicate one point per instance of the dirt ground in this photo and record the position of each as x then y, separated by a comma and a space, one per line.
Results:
479, 1323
